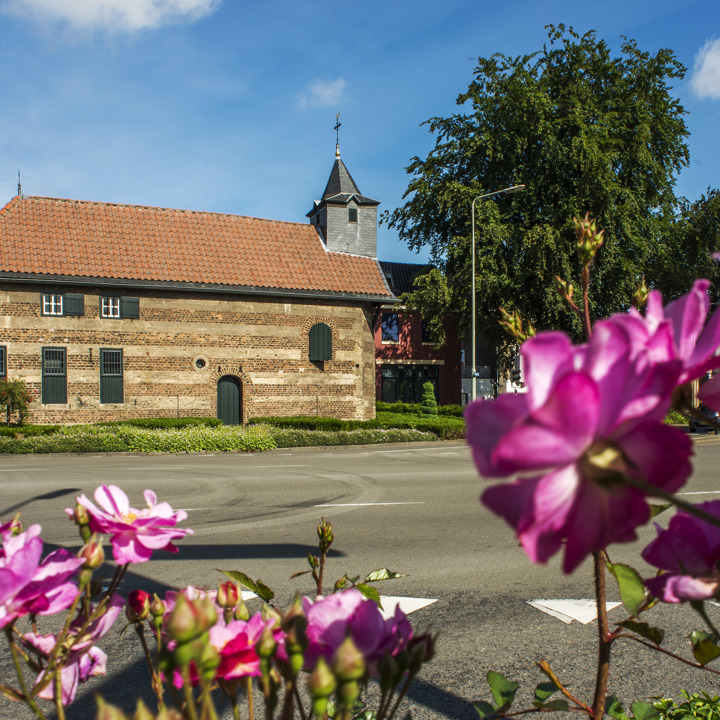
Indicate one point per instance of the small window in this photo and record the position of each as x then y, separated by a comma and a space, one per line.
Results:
110, 307
425, 333
352, 215
115, 306
69, 304
52, 304
390, 327
54, 376
320, 342
3, 361
111, 376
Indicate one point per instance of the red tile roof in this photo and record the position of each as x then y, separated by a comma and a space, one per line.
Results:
78, 239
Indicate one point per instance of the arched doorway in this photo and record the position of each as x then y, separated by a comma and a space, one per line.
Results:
229, 400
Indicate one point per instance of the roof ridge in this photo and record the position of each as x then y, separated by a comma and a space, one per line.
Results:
151, 207
11, 203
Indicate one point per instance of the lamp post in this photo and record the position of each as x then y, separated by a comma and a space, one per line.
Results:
508, 190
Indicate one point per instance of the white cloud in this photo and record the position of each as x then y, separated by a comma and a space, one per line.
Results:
323, 93
112, 15
705, 80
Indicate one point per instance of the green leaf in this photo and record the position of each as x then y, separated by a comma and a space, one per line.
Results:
503, 690
383, 574
655, 510
704, 648
614, 708
644, 711
484, 709
558, 705
259, 588
653, 634
298, 574
544, 690
370, 593
631, 586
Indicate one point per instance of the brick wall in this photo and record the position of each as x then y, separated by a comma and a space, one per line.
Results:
183, 343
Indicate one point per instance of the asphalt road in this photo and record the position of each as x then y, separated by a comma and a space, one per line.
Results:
413, 509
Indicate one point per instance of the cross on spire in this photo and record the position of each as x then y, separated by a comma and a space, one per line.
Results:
337, 135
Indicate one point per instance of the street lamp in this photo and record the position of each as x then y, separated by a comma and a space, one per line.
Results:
508, 190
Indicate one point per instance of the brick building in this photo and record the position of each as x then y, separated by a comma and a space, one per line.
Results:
117, 311
405, 357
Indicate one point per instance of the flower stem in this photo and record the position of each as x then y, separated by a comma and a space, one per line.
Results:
156, 682
59, 709
545, 667
679, 658
29, 699
604, 638
251, 710
586, 300
654, 491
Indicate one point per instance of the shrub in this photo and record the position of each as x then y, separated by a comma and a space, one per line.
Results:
15, 397
292, 437
165, 423
694, 706
429, 404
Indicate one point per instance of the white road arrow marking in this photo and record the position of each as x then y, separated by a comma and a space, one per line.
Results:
584, 611
407, 604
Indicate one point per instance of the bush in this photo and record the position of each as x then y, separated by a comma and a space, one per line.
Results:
429, 404
27, 430
165, 423
15, 398
289, 437
694, 706
445, 428
126, 438
416, 408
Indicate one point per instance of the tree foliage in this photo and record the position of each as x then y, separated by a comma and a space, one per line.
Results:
15, 398
585, 131
686, 252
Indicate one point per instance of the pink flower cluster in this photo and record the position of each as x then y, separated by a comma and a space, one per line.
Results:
84, 659
689, 554
589, 429
331, 619
29, 586
134, 534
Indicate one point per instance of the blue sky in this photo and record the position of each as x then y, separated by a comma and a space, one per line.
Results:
229, 105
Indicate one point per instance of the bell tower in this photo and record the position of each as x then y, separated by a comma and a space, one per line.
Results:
346, 219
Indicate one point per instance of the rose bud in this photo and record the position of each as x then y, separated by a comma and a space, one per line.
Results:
138, 606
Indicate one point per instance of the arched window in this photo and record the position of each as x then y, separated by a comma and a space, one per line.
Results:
320, 342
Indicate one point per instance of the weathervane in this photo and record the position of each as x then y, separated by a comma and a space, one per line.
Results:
19, 185
337, 135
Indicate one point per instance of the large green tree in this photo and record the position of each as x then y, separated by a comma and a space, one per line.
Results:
686, 252
585, 130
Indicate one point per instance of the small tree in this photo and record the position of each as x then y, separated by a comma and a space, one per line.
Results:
16, 397
429, 404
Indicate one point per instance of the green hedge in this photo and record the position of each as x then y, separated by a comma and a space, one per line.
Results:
27, 430
165, 423
126, 438
289, 437
445, 427
416, 408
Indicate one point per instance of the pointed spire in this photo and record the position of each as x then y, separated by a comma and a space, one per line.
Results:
338, 125
19, 192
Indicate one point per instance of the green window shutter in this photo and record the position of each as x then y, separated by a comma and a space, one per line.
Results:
54, 376
111, 376
130, 307
320, 342
74, 304
3, 361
